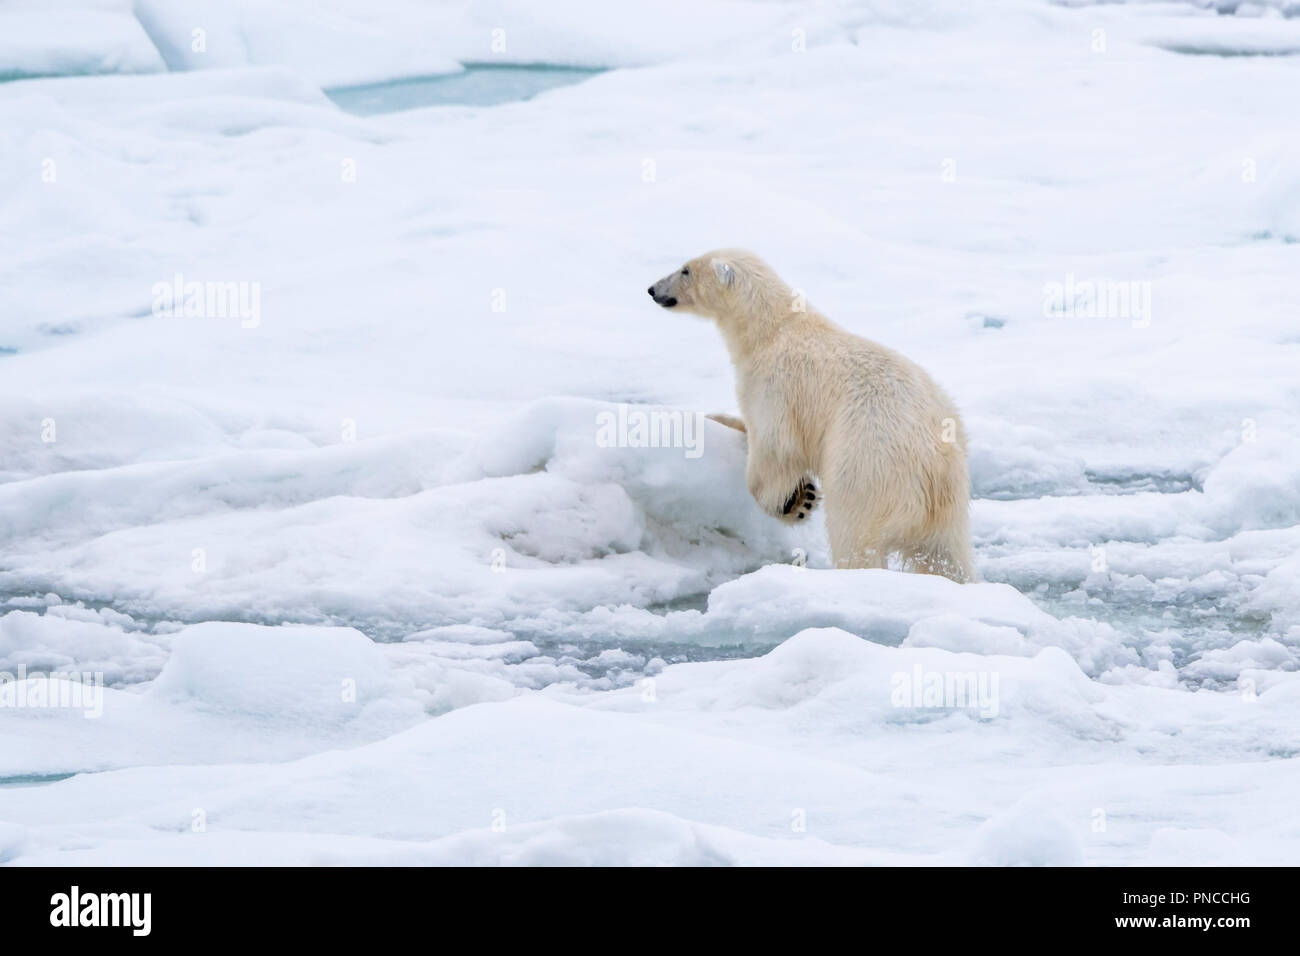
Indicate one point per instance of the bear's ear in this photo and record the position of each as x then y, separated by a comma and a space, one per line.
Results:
725, 273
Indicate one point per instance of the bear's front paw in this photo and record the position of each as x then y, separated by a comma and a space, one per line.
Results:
801, 503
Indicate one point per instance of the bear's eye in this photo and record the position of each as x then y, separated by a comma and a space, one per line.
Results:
686, 272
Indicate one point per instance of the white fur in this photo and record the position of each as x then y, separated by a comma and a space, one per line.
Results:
882, 440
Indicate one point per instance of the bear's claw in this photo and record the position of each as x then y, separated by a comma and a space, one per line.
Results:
801, 502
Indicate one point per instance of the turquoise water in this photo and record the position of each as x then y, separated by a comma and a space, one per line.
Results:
479, 85
1188, 49
33, 779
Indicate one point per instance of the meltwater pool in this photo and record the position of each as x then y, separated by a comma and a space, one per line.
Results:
481, 84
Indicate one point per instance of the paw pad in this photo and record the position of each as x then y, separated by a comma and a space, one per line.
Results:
801, 502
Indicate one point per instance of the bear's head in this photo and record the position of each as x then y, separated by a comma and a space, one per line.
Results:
709, 285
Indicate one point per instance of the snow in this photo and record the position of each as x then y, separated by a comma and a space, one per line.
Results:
364, 583
58, 38
329, 47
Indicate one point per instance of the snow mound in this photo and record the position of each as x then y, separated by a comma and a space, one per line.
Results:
1256, 486
891, 607
310, 676
1027, 835
56, 39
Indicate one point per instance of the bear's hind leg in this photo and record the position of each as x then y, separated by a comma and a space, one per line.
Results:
947, 554
941, 544
855, 541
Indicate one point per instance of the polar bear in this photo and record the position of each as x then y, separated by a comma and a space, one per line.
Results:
823, 406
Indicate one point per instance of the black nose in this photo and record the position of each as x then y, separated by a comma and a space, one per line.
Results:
651, 290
